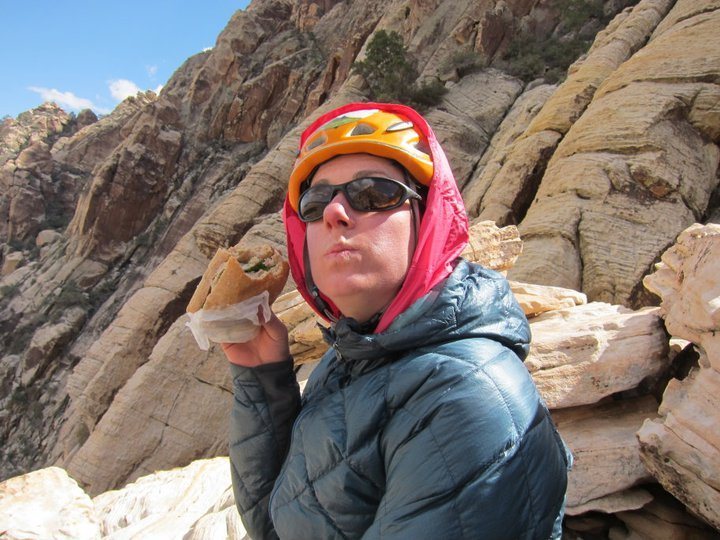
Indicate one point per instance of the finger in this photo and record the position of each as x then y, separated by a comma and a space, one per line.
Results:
261, 316
276, 329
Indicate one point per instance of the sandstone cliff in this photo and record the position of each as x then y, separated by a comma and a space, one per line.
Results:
600, 173
579, 357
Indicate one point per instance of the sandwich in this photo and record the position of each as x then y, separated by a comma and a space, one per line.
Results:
239, 273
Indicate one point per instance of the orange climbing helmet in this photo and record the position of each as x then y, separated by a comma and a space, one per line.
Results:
366, 131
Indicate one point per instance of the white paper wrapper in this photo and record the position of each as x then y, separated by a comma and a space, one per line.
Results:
234, 324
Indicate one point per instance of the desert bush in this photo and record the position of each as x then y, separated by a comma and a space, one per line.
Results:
71, 295
386, 69
56, 217
530, 57
428, 94
467, 62
9, 291
391, 75
575, 13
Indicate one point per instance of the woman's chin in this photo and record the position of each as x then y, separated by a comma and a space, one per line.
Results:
357, 298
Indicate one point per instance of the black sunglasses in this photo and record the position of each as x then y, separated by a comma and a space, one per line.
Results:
370, 194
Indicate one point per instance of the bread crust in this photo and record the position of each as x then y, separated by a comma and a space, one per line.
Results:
225, 282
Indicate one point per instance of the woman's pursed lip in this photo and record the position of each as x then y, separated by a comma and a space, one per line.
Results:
339, 248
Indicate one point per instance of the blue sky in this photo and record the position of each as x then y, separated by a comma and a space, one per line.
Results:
92, 54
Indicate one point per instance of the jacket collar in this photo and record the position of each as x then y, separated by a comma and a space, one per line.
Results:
472, 302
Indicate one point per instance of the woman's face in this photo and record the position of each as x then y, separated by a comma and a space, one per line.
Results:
359, 259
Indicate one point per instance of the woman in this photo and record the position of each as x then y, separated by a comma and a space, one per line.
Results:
421, 420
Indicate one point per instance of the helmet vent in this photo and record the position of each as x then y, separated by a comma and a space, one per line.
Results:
362, 129
399, 127
315, 143
423, 147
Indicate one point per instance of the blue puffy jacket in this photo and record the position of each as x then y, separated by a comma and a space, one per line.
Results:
430, 429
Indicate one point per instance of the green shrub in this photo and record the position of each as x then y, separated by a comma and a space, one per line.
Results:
575, 13
100, 293
18, 341
390, 74
70, 296
55, 218
17, 245
386, 69
9, 291
19, 396
428, 94
467, 62
529, 57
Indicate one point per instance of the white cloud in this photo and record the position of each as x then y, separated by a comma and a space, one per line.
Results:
151, 71
66, 100
122, 88
158, 88
206, 49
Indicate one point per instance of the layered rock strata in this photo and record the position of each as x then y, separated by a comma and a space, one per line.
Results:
682, 447
621, 443
600, 174
619, 139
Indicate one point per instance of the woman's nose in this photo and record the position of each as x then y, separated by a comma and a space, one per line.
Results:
338, 212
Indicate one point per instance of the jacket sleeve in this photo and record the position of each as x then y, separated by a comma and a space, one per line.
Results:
266, 403
472, 453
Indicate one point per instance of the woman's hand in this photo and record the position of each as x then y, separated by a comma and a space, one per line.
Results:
269, 346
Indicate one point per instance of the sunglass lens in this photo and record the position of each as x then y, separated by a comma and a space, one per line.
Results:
369, 194
314, 201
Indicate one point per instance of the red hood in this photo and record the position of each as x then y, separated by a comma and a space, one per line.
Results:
443, 232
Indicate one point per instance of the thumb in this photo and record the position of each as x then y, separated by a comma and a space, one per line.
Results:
275, 328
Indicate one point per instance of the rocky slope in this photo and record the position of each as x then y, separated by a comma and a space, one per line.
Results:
601, 173
592, 362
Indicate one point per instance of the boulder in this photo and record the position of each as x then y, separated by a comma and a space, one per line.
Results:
11, 262
687, 281
47, 236
605, 451
46, 504
492, 246
170, 503
537, 299
682, 447
192, 502
664, 518
582, 354
632, 498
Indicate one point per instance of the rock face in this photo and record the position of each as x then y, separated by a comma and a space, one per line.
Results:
609, 474
600, 174
25, 170
46, 504
195, 502
633, 122
682, 447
